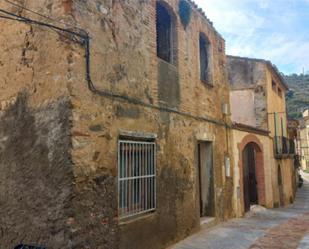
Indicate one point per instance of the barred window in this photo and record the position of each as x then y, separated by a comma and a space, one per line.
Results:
136, 178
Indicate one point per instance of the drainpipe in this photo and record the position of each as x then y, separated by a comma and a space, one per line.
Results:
276, 142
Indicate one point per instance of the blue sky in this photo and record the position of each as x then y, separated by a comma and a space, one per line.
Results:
276, 30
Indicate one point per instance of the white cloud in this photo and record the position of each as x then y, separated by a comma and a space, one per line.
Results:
263, 29
264, 4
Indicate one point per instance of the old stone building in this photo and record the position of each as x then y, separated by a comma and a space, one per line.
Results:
117, 141
263, 153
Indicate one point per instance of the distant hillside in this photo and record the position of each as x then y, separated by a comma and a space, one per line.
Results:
298, 96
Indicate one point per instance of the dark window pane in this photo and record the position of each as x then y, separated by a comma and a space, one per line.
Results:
203, 58
164, 34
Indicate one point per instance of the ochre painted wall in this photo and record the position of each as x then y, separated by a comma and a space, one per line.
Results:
254, 77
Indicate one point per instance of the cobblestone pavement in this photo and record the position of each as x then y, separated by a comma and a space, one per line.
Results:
282, 228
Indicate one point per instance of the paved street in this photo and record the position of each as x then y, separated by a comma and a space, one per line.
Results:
283, 228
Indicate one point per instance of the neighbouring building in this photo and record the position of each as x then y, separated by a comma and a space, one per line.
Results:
304, 138
120, 139
263, 153
294, 135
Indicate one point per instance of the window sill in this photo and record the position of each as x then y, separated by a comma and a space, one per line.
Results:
137, 218
166, 62
207, 84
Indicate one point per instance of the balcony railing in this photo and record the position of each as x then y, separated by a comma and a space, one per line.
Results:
292, 149
284, 146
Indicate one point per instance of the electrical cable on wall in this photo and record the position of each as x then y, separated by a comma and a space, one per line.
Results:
41, 15
82, 37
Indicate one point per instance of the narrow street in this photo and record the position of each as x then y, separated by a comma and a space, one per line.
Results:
147, 124
283, 228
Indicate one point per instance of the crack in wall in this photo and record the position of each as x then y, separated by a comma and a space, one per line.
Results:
27, 56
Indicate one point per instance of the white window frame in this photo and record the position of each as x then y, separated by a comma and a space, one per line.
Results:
136, 178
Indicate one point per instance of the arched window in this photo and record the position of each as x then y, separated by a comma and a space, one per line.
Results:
204, 59
165, 36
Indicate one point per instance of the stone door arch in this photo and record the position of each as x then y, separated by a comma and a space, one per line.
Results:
253, 144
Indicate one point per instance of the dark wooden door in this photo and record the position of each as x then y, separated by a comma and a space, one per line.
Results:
246, 180
249, 172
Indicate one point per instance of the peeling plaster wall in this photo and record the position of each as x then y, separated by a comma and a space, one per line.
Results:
278, 104
243, 113
33, 59
255, 77
36, 181
250, 75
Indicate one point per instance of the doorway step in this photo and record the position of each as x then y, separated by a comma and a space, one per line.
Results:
208, 222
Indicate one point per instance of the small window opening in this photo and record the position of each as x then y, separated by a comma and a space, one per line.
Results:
204, 58
280, 92
164, 34
279, 176
274, 85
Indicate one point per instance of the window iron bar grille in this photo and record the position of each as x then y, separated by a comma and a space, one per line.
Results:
136, 178
284, 146
21, 246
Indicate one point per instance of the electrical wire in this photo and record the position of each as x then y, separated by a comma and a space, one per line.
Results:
31, 21
82, 37
7, 17
41, 15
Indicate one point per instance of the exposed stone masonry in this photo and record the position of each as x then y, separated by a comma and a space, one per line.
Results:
36, 179
68, 135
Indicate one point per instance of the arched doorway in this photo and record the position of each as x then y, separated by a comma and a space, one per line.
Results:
249, 176
252, 176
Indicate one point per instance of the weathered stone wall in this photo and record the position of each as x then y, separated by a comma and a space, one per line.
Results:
33, 58
256, 76
36, 181
124, 66
250, 75
245, 72
243, 113
148, 97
